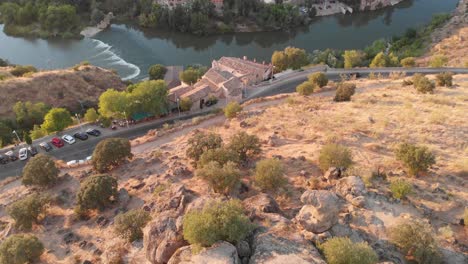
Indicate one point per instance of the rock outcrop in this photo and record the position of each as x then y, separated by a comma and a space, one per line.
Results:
320, 210
353, 189
219, 253
262, 203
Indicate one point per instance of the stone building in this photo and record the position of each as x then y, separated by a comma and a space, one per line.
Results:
250, 72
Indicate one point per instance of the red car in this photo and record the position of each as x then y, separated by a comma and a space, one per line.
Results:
57, 142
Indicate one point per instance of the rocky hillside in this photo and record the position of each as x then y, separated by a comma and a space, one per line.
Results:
58, 88
312, 206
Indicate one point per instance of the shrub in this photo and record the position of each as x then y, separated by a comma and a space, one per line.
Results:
111, 152
202, 142
96, 192
344, 92
40, 170
444, 79
318, 78
408, 62
26, 210
416, 158
129, 225
400, 188
212, 100
333, 155
232, 109
157, 72
339, 250
20, 249
19, 71
438, 61
220, 155
415, 239
222, 178
305, 88
185, 104
217, 221
91, 115
269, 174
246, 146
423, 84
407, 82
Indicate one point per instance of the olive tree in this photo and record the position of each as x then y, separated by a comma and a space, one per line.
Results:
111, 152
26, 210
201, 142
246, 146
222, 178
157, 72
221, 155
57, 119
40, 170
96, 192
129, 225
269, 174
20, 249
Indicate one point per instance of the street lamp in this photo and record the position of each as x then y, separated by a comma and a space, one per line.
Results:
79, 122
19, 140
126, 119
178, 105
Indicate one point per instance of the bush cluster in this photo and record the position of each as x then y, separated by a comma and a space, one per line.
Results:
306, 88
96, 192
333, 155
26, 210
269, 175
408, 62
344, 92
340, 250
110, 153
19, 70
222, 178
20, 249
201, 142
415, 240
129, 225
217, 221
444, 79
185, 104
232, 109
318, 78
40, 170
416, 158
245, 146
220, 155
400, 188
422, 84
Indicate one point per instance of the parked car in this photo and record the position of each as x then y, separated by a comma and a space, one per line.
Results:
4, 159
57, 142
11, 155
32, 150
69, 139
23, 154
81, 136
45, 146
93, 132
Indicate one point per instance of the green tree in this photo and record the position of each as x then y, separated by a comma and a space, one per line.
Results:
157, 72
246, 146
57, 119
27, 139
340, 250
149, 97
291, 57
129, 225
20, 249
110, 153
269, 175
379, 61
37, 132
199, 23
26, 211
185, 104
318, 78
28, 114
333, 155
40, 170
190, 76
91, 115
217, 221
60, 19
306, 88
408, 62
438, 61
201, 142
220, 155
113, 104
96, 192
353, 58
416, 158
222, 178
232, 109
280, 61
344, 92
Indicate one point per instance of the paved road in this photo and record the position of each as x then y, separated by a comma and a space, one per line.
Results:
283, 84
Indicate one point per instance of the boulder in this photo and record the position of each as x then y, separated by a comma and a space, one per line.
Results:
332, 173
162, 237
124, 197
174, 199
262, 202
277, 248
220, 253
352, 185
320, 211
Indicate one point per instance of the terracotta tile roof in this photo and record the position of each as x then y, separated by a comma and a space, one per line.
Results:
243, 66
233, 86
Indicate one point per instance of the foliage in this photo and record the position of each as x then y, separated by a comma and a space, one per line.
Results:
438, 61
19, 70
201, 142
185, 104
110, 153
344, 92
91, 115
245, 146
222, 178
306, 88
318, 78
333, 155
217, 221
157, 72
290, 58
20, 249
381, 60
3, 63
27, 139
408, 62
339, 250
415, 239
57, 119
269, 175
423, 84
232, 109
28, 114
40, 170
26, 210
220, 155
37, 132
192, 74
96, 192
129, 225
113, 103
400, 188
444, 79
353, 58
416, 158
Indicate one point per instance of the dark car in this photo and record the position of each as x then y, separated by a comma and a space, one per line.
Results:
45, 146
93, 132
81, 136
4, 159
32, 150
57, 142
10, 155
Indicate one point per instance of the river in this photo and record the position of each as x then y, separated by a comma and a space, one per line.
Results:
130, 50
